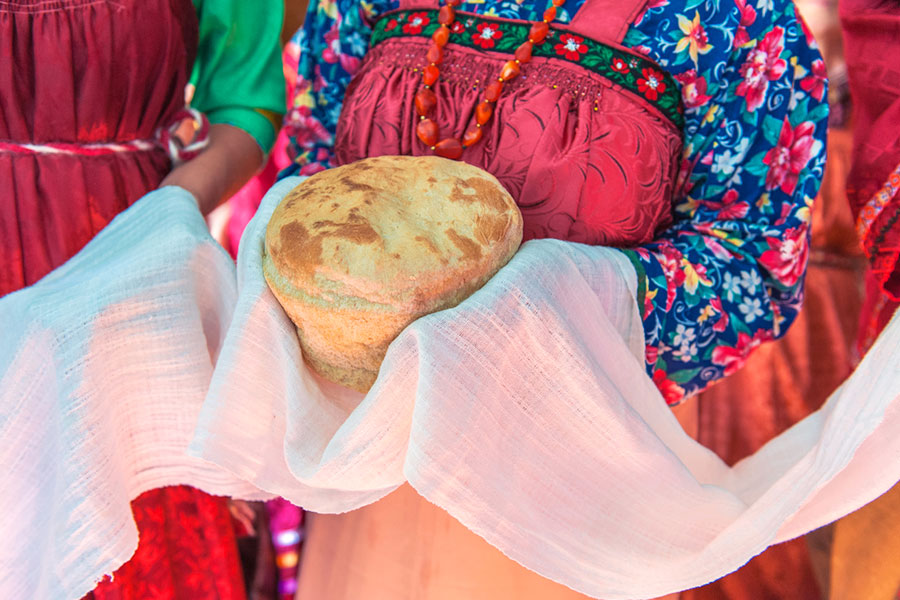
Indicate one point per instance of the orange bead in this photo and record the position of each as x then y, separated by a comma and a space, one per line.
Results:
558, 3
435, 54
427, 131
510, 70
523, 52
449, 148
538, 32
492, 93
430, 74
550, 14
426, 100
472, 136
483, 112
440, 36
446, 15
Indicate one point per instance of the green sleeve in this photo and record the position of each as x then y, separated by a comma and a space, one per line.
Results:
238, 75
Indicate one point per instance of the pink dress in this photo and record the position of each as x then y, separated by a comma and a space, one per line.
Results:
586, 160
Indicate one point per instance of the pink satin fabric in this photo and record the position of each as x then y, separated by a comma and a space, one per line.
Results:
586, 161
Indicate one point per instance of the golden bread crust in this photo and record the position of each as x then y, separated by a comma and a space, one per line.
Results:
356, 253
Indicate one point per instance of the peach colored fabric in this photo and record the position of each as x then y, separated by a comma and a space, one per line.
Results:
387, 550
865, 551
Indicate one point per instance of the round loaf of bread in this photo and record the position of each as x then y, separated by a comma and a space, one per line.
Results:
356, 253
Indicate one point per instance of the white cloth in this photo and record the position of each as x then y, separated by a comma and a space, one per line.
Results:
525, 413
104, 364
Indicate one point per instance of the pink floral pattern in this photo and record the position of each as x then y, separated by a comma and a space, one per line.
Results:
789, 157
693, 89
814, 84
787, 255
764, 64
748, 17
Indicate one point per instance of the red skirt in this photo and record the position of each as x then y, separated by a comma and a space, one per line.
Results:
80, 72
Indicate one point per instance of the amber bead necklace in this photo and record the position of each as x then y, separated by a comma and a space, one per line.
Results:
425, 101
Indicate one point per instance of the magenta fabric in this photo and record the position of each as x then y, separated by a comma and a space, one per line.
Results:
585, 161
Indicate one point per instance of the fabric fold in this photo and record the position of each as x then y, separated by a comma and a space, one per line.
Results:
526, 414
103, 367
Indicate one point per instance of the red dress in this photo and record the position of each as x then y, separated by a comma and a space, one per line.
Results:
79, 72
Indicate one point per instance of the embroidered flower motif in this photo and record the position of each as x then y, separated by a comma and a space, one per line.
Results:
652, 84
457, 27
415, 22
693, 89
763, 64
787, 255
486, 34
570, 46
796, 145
695, 38
391, 25
619, 66
814, 84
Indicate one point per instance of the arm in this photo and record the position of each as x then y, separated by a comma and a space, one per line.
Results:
333, 41
728, 274
239, 84
232, 157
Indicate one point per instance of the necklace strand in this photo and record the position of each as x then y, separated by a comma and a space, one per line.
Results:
427, 130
